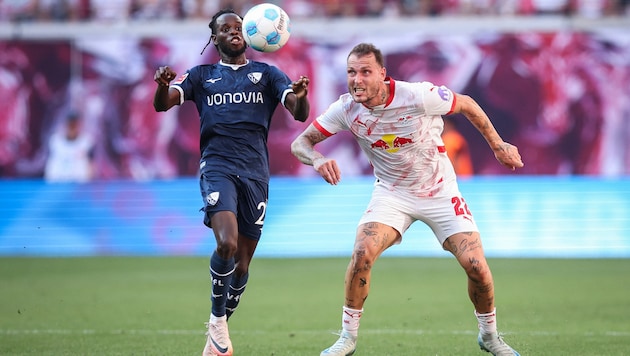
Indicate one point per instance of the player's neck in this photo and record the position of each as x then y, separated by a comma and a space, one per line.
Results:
234, 66
384, 94
240, 60
380, 99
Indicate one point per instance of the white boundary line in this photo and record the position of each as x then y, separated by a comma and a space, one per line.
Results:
9, 332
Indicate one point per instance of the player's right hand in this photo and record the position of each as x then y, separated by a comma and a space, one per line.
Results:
300, 86
164, 75
328, 169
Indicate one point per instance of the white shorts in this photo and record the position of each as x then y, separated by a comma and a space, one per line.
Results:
446, 213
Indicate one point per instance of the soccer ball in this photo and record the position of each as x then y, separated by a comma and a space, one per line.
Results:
266, 27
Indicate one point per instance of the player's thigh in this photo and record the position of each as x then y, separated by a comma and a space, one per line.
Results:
373, 238
446, 215
387, 209
467, 248
219, 193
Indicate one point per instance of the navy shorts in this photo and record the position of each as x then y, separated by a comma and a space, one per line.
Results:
246, 198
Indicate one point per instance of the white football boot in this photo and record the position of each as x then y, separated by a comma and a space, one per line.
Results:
494, 344
345, 346
218, 339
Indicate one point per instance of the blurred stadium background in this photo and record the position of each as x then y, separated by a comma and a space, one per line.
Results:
553, 75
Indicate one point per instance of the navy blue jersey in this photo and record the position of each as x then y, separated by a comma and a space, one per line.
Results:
235, 107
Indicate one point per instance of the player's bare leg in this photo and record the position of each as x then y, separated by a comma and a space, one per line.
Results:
468, 250
371, 240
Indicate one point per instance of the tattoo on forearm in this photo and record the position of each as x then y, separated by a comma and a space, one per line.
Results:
481, 121
303, 148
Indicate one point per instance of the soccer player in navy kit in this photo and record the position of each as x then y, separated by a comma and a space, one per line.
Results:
235, 99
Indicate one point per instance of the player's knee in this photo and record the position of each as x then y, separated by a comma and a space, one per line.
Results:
362, 258
226, 248
478, 271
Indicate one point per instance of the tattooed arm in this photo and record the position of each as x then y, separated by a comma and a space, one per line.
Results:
303, 147
504, 152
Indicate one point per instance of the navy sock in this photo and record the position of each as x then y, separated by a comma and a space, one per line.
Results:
221, 273
237, 287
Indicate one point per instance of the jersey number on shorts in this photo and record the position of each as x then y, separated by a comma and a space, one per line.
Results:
261, 219
460, 206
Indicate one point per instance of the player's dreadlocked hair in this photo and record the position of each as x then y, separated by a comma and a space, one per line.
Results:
213, 24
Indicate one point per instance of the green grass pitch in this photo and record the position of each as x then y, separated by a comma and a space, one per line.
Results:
417, 306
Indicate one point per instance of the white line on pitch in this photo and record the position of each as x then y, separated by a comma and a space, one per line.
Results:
610, 333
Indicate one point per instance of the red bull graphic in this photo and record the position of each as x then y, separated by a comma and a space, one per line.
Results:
401, 141
380, 144
391, 143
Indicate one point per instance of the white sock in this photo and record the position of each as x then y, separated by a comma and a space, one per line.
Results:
487, 322
217, 319
350, 320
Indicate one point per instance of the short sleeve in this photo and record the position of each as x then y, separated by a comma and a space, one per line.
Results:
184, 85
332, 120
438, 100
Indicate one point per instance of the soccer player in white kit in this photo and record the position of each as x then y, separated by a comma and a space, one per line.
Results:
398, 126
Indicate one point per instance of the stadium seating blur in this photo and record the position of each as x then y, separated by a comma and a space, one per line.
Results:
150, 10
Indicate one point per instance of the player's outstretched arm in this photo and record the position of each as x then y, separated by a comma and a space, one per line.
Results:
297, 103
504, 152
164, 97
303, 147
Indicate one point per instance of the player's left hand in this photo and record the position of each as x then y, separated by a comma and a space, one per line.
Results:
300, 86
328, 169
508, 156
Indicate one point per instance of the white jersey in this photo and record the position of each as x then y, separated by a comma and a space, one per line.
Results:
400, 138
68, 160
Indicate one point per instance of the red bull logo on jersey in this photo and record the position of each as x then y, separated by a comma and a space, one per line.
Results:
391, 143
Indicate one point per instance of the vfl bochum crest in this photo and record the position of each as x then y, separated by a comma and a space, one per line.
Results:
254, 77
212, 198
